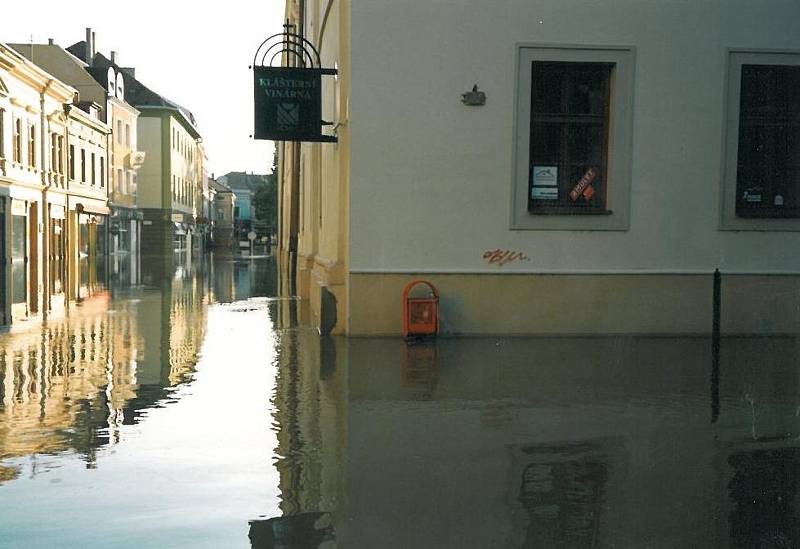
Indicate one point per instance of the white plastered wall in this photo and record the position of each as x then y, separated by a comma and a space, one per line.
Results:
431, 178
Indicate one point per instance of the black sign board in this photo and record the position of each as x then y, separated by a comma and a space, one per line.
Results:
288, 103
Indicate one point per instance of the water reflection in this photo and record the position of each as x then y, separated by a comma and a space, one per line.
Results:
190, 402
71, 382
538, 442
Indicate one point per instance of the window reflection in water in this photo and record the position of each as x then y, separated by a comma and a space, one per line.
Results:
70, 383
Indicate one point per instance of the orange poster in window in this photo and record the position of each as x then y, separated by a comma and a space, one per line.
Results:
583, 184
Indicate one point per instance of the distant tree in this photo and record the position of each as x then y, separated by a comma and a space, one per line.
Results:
265, 199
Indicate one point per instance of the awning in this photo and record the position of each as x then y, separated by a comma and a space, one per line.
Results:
90, 208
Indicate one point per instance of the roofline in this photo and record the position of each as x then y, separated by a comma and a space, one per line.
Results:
33, 73
84, 118
121, 102
182, 118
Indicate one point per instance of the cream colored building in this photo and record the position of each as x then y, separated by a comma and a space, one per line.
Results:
223, 209
611, 166
102, 82
87, 201
170, 185
126, 158
34, 184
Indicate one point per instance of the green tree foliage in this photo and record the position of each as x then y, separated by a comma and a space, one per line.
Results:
265, 199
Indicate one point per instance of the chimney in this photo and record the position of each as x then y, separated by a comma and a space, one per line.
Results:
113, 57
50, 42
88, 49
93, 46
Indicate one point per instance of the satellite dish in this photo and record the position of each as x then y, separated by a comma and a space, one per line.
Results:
112, 82
120, 87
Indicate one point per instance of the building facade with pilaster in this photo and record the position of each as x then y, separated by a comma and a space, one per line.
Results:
53, 188
550, 185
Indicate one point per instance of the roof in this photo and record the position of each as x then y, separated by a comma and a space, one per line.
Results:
219, 186
244, 181
136, 93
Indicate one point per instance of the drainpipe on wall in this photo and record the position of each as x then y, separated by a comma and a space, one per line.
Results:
45, 217
294, 232
67, 228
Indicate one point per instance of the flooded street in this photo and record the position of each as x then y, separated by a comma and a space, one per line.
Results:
194, 408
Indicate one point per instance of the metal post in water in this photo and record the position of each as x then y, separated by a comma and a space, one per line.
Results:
715, 344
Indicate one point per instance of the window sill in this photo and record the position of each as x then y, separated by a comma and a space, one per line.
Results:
567, 210
769, 214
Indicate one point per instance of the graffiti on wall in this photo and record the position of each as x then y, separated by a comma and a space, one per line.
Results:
503, 257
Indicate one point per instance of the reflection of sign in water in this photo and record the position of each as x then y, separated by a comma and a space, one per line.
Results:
764, 489
312, 529
288, 116
562, 490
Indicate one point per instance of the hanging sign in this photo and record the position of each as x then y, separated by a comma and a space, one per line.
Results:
288, 104
288, 99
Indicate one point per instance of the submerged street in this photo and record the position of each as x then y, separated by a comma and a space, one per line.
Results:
197, 410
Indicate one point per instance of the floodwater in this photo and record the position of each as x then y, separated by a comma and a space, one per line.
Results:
195, 408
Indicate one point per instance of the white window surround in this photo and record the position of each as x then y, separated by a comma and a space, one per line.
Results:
620, 142
737, 57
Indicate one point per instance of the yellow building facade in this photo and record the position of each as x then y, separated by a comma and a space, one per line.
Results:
314, 177
35, 133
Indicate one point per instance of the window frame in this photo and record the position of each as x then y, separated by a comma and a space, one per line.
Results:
17, 138
2, 133
736, 57
32, 143
71, 161
616, 216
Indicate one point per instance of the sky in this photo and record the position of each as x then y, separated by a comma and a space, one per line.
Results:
195, 56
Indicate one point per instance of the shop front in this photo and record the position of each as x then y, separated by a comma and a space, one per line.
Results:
57, 258
89, 224
124, 230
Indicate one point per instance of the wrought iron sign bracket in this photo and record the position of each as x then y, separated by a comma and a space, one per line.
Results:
288, 97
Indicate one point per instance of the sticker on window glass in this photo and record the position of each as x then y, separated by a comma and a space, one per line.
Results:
545, 183
753, 195
584, 186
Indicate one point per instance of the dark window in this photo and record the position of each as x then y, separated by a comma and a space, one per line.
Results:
768, 166
19, 286
83, 165
569, 137
17, 140
53, 152
94, 167
32, 146
61, 154
72, 161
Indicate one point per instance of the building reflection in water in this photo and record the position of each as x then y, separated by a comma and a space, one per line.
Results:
533, 442
309, 418
479, 442
69, 383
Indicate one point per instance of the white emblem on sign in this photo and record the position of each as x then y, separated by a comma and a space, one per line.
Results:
288, 116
